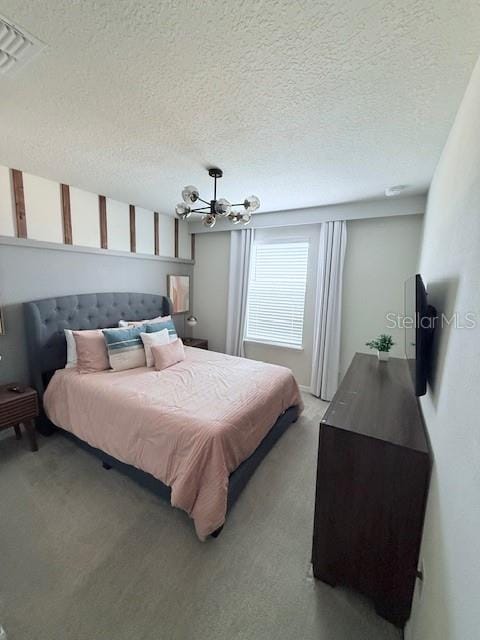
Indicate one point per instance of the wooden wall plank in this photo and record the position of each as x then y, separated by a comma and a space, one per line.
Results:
66, 214
133, 230
20, 215
192, 250
102, 206
176, 237
156, 233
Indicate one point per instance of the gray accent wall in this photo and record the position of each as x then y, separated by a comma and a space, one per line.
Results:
32, 270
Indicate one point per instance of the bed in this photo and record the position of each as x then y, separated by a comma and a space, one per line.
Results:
193, 434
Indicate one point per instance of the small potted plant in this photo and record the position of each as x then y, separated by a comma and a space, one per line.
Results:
382, 344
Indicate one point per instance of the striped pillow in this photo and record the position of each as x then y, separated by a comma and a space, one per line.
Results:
125, 347
159, 326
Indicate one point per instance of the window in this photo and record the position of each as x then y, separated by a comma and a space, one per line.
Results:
276, 293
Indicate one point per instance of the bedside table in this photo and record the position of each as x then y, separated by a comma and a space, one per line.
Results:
19, 408
199, 343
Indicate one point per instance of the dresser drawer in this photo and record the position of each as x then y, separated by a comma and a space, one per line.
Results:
18, 409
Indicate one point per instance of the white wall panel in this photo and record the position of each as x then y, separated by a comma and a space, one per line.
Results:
118, 225
85, 218
7, 210
166, 226
184, 242
43, 209
45, 222
144, 224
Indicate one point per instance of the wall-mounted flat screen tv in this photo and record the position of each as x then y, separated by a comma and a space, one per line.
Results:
419, 326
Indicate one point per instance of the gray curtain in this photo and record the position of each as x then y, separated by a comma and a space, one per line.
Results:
328, 309
241, 243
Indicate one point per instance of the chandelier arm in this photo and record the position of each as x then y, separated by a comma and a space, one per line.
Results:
200, 209
238, 204
204, 201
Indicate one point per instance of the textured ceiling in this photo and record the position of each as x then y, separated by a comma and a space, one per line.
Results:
300, 102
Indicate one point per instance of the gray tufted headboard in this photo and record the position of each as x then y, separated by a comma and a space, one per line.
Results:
45, 321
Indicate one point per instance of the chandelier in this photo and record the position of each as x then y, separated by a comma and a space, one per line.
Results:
214, 208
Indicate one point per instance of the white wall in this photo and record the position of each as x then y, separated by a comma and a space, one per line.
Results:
118, 225
381, 254
450, 264
166, 235
145, 236
85, 218
210, 290
184, 241
43, 204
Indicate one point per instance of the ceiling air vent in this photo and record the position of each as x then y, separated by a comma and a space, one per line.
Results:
17, 46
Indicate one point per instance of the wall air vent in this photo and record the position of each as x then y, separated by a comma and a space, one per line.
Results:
17, 46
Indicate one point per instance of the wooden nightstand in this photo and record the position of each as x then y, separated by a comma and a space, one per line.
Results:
199, 343
19, 408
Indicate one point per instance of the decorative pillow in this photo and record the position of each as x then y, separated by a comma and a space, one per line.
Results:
138, 323
91, 351
150, 340
165, 324
125, 347
71, 349
166, 355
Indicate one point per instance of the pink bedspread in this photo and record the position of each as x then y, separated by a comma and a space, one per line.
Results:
190, 425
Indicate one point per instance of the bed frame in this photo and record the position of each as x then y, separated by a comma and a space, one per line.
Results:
45, 321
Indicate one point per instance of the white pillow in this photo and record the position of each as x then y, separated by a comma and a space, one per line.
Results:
71, 349
151, 340
137, 323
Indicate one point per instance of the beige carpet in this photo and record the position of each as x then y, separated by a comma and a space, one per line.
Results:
87, 554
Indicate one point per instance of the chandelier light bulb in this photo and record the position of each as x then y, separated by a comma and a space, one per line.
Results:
183, 211
234, 217
245, 219
190, 194
223, 207
209, 220
251, 203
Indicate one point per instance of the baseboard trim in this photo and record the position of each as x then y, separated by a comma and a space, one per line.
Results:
305, 389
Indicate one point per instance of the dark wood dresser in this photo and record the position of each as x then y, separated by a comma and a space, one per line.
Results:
372, 482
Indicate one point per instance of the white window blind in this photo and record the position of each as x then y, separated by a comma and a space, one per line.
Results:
276, 293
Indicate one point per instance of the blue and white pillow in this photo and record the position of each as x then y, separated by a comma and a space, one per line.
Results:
159, 326
125, 347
